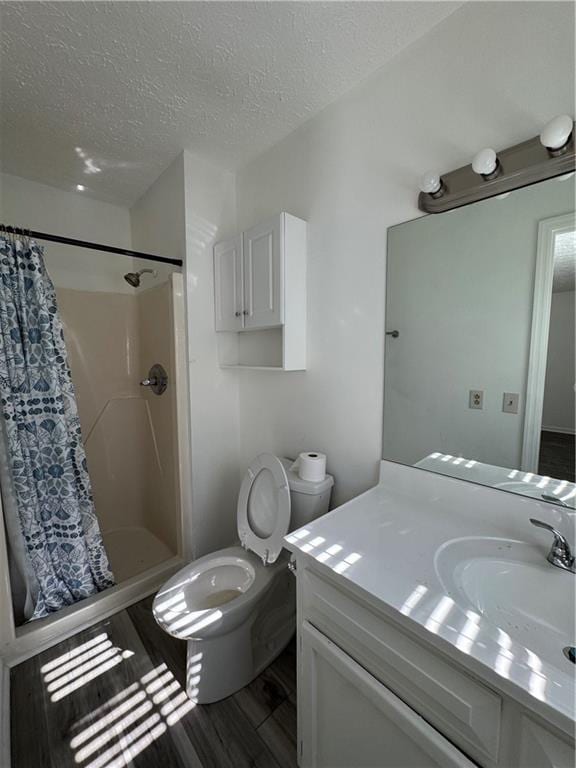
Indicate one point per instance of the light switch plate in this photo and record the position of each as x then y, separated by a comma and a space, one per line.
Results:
510, 402
476, 399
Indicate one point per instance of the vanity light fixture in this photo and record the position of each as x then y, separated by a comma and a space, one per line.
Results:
486, 163
556, 134
431, 184
494, 173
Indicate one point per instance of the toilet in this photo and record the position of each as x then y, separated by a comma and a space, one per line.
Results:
236, 608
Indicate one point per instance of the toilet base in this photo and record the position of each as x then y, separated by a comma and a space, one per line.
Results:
217, 667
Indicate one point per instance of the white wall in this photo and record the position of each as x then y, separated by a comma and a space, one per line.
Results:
188, 208
35, 206
210, 216
157, 219
460, 291
558, 413
476, 80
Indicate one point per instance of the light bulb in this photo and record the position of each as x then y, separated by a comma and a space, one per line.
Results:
430, 183
556, 133
485, 162
80, 187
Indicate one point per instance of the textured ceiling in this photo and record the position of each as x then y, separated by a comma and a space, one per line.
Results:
107, 93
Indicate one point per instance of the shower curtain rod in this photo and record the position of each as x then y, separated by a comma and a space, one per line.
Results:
85, 244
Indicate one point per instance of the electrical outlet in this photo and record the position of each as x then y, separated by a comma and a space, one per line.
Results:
510, 402
476, 399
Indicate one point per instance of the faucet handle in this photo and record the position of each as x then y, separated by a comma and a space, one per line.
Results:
560, 554
548, 527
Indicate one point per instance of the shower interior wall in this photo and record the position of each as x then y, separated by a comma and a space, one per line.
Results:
129, 432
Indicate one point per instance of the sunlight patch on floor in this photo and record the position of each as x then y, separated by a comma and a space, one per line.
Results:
112, 735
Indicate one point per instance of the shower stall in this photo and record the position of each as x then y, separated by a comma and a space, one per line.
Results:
123, 324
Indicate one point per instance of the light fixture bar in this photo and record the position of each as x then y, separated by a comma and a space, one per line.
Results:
519, 166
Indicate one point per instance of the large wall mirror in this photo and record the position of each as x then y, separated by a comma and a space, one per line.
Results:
480, 324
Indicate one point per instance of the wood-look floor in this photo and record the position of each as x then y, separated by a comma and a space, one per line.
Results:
557, 456
120, 701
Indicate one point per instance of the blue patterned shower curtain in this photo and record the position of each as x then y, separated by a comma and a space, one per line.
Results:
48, 508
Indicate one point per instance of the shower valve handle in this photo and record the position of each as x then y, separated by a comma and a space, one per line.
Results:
157, 379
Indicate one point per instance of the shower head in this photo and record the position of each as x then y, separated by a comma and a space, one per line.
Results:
133, 278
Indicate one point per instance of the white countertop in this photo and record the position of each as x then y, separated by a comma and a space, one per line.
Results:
384, 544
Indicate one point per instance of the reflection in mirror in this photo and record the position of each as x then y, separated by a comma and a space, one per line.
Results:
479, 378
556, 432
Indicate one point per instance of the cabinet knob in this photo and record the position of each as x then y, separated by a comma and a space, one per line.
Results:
238, 314
245, 312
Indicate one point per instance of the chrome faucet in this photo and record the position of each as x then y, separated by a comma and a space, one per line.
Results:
560, 554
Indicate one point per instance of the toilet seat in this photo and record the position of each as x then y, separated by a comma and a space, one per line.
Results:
184, 607
264, 508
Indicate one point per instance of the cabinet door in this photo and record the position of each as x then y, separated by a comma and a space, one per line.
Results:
347, 719
540, 748
228, 285
263, 273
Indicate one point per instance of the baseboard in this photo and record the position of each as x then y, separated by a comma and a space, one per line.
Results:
560, 430
4, 715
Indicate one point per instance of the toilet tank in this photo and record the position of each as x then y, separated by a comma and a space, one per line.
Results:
308, 500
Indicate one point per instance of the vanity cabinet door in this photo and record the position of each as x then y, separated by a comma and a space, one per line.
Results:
540, 748
228, 285
263, 274
347, 719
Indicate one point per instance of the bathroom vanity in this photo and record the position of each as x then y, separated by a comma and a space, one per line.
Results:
431, 630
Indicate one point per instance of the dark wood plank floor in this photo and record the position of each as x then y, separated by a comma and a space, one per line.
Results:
113, 696
557, 456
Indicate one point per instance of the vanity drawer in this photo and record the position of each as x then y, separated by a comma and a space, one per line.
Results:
464, 710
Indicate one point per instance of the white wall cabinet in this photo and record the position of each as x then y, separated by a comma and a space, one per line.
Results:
260, 295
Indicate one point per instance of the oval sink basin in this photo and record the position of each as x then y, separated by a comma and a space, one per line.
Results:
512, 585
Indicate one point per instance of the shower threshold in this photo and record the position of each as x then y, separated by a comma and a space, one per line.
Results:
35, 636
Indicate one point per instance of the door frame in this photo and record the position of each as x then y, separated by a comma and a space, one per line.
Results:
548, 230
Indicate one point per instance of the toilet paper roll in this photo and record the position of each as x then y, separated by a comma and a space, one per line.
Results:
311, 466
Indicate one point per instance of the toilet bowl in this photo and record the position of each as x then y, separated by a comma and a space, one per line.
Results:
236, 607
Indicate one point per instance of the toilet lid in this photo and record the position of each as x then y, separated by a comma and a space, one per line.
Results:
264, 507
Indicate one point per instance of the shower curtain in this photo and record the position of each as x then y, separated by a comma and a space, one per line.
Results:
55, 541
